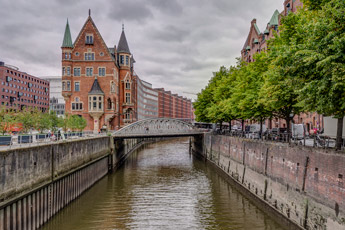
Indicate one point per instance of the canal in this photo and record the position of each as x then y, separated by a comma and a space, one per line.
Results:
161, 186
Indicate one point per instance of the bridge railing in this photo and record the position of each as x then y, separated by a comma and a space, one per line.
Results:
157, 126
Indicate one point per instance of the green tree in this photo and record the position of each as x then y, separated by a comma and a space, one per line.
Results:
72, 122
250, 99
63, 122
27, 120
81, 124
55, 122
281, 88
323, 60
7, 119
206, 98
223, 94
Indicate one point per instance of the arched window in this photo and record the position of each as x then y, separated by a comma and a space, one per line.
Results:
128, 85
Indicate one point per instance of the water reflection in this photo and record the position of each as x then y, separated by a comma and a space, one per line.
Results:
162, 187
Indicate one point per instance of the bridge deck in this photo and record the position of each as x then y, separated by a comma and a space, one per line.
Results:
149, 135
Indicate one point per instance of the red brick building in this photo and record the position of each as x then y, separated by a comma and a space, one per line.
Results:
20, 90
257, 42
174, 106
97, 80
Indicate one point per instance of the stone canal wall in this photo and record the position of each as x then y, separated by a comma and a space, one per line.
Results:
37, 182
300, 184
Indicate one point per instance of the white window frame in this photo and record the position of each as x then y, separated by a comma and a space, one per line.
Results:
75, 85
90, 41
74, 68
86, 71
128, 96
105, 71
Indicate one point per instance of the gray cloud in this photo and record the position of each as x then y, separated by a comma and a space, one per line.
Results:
129, 10
177, 44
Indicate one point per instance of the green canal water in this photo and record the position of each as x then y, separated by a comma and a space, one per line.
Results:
159, 187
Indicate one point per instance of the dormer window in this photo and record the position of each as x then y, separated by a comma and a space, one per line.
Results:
89, 39
122, 60
127, 60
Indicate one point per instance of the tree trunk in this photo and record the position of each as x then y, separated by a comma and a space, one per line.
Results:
220, 124
242, 125
261, 121
339, 133
230, 126
288, 128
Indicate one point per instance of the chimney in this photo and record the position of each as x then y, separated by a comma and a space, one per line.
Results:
2, 63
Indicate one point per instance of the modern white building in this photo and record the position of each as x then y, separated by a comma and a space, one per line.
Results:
147, 100
57, 102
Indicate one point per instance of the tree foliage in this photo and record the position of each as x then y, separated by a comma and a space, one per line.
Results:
302, 71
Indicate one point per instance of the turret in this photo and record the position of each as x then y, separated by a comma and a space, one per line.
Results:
124, 54
67, 44
67, 47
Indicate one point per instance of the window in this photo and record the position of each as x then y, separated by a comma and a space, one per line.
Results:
77, 86
128, 85
63, 86
89, 72
121, 59
68, 86
63, 71
77, 106
76, 54
96, 103
109, 103
101, 54
127, 60
128, 98
68, 71
76, 72
89, 56
128, 115
89, 39
67, 56
101, 71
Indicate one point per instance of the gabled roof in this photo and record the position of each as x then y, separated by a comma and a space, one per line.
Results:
257, 29
96, 29
67, 39
275, 19
123, 45
96, 88
247, 41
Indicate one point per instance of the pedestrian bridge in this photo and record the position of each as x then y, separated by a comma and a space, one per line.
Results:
157, 127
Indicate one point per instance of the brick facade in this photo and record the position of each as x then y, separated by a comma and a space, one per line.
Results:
174, 106
20, 90
88, 59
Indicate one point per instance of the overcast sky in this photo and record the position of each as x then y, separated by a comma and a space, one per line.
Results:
177, 44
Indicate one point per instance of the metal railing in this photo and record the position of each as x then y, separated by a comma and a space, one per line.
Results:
316, 140
28, 140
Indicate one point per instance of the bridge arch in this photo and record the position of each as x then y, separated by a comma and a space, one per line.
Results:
156, 126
